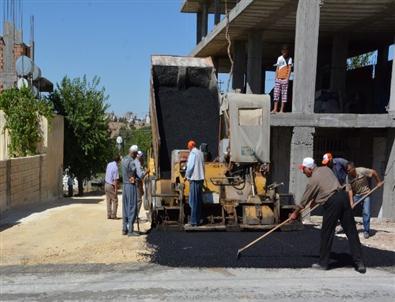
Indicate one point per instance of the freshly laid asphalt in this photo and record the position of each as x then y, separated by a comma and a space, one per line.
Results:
294, 249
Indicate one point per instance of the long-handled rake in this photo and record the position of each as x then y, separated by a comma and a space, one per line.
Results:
365, 196
271, 231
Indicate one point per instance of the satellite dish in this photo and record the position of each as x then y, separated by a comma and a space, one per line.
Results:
119, 140
24, 66
36, 72
22, 82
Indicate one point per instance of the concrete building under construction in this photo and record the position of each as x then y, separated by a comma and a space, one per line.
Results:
332, 108
12, 47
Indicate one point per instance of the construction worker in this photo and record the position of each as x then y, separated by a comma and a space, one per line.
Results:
323, 188
131, 170
195, 175
338, 165
357, 186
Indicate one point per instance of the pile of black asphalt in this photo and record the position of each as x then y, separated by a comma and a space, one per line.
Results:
187, 108
293, 249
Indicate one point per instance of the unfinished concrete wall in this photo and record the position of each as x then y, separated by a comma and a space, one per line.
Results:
388, 208
254, 63
302, 144
379, 153
33, 179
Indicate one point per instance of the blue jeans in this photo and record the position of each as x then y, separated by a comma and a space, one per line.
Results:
365, 211
129, 207
195, 200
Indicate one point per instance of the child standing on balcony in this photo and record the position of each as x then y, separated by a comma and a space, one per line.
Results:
283, 71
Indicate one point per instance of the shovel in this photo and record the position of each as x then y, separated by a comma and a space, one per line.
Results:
365, 196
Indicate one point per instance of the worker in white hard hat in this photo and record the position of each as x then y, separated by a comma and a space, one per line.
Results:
324, 188
131, 171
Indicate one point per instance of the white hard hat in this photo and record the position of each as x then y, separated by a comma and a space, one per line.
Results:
133, 148
140, 153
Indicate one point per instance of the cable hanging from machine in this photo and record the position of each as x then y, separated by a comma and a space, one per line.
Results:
227, 36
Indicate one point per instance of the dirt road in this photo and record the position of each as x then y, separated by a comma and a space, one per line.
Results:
71, 231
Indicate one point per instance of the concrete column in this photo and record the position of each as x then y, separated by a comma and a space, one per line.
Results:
306, 47
379, 156
302, 145
388, 210
217, 16
239, 67
8, 76
254, 63
216, 65
391, 104
380, 101
204, 19
280, 141
339, 64
198, 27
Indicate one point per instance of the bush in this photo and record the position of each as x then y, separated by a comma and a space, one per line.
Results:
23, 112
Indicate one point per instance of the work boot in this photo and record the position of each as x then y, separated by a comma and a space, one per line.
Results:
124, 232
319, 267
366, 235
360, 267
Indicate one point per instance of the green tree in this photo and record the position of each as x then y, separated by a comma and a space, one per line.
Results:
359, 61
23, 112
141, 137
86, 134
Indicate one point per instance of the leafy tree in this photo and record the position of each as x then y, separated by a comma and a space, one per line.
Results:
86, 135
23, 112
359, 61
141, 137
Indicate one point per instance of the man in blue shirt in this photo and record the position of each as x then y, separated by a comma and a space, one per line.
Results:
195, 175
338, 165
131, 171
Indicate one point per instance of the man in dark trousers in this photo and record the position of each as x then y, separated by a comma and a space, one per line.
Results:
131, 170
324, 188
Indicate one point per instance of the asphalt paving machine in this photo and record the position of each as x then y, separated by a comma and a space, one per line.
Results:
233, 131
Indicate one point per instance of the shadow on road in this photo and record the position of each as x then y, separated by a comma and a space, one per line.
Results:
297, 249
11, 217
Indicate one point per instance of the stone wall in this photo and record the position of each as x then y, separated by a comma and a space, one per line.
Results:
34, 179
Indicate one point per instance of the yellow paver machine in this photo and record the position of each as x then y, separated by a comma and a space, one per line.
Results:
233, 131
